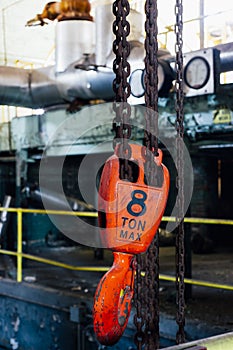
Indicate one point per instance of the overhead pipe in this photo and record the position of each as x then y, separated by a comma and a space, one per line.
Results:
74, 76
41, 88
80, 72
226, 56
83, 58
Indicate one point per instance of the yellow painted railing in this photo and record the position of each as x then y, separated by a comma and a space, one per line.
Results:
20, 255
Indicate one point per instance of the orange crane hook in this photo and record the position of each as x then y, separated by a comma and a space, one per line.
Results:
129, 216
113, 298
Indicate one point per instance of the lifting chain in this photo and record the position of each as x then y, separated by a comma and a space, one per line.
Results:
122, 130
180, 298
147, 319
151, 88
121, 86
152, 295
151, 143
139, 317
148, 328
151, 76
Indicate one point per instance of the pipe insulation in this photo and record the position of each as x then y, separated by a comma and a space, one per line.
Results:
83, 64
41, 88
73, 40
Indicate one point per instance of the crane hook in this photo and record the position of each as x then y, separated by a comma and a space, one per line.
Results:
113, 298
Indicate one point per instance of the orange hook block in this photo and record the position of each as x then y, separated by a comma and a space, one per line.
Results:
130, 212
129, 216
113, 298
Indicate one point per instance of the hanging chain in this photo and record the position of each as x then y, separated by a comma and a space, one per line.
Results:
139, 316
121, 86
151, 89
180, 299
151, 143
122, 128
149, 294
152, 295
151, 76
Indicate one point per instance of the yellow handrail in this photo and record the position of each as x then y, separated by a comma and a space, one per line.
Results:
163, 277
57, 263
19, 245
20, 255
52, 212
95, 215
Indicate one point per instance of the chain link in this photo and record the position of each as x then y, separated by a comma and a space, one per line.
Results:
151, 90
151, 61
149, 294
121, 87
121, 48
151, 143
139, 317
147, 321
151, 76
180, 297
152, 295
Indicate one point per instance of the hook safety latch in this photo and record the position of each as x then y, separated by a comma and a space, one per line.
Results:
113, 298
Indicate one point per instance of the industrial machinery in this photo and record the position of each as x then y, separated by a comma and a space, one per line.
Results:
76, 98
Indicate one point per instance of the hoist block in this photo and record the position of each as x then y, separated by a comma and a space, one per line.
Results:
129, 216
130, 212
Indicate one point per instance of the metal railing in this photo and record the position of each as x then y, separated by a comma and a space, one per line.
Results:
20, 255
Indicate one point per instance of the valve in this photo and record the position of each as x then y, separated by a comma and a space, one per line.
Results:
66, 9
129, 215
76, 9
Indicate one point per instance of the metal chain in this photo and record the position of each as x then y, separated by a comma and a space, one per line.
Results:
122, 129
151, 69
150, 331
150, 295
151, 143
139, 316
151, 89
180, 297
121, 86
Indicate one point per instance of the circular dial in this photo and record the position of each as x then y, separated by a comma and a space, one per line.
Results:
165, 78
197, 73
136, 83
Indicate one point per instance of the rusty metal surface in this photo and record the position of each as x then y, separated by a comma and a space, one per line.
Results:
180, 264
151, 143
121, 86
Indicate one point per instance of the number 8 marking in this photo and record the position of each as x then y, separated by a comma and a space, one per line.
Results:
139, 201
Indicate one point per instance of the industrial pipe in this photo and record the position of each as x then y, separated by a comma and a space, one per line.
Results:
41, 88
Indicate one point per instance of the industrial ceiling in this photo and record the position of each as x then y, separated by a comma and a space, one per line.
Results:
22, 46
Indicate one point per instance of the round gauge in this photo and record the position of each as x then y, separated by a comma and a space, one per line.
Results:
137, 89
197, 73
